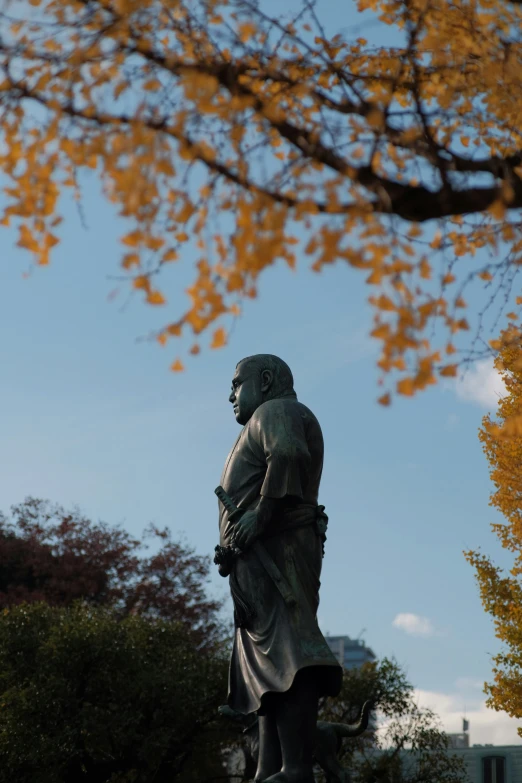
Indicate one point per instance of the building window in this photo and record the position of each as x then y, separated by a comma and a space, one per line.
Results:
494, 769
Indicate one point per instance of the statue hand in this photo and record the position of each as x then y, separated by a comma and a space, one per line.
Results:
224, 569
247, 529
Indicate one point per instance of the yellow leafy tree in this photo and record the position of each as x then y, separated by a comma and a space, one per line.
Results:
501, 593
249, 140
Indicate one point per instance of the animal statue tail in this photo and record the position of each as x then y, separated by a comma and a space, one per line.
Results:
354, 729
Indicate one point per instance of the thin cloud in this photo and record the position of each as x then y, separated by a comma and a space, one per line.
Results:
485, 725
468, 683
481, 384
414, 624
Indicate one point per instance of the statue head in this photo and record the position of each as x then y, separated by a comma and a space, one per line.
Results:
257, 379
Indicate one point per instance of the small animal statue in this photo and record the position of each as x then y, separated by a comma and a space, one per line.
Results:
328, 741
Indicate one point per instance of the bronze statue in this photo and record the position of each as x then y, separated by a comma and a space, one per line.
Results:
272, 534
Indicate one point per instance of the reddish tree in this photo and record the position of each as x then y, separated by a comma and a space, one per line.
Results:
52, 555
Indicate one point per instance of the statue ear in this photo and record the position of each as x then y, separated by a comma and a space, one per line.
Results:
267, 377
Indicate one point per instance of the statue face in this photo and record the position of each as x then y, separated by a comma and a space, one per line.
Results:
247, 392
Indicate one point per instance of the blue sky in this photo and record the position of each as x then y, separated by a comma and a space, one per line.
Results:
93, 417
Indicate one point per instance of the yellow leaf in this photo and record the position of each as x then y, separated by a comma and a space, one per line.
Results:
508, 194
415, 231
380, 332
177, 366
375, 119
406, 387
133, 238
512, 316
385, 303
50, 240
169, 255
375, 277
129, 260
219, 338
385, 399
246, 31
120, 87
43, 257
162, 338
27, 240
154, 243
155, 298
152, 84
425, 269
195, 349
141, 282
498, 209
449, 370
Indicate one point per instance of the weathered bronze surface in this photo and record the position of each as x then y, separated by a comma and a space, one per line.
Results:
272, 533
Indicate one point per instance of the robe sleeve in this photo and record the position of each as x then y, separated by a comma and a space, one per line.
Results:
280, 434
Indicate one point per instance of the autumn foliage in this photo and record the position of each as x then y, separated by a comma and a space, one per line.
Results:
59, 557
501, 592
242, 140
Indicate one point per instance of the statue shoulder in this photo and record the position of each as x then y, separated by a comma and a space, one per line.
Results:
281, 408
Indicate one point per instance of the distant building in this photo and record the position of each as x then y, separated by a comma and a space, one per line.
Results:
350, 653
459, 740
485, 763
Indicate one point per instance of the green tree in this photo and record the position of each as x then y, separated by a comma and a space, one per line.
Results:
86, 696
407, 745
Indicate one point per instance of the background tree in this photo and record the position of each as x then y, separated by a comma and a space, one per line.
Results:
57, 556
88, 696
217, 128
501, 593
400, 725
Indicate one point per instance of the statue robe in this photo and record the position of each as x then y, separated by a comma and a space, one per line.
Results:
278, 454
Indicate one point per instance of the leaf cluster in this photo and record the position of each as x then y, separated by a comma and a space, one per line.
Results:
223, 133
500, 592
